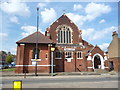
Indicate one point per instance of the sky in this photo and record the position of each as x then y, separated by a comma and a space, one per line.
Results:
97, 20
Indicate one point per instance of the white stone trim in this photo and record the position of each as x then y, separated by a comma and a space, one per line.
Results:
32, 65
90, 67
105, 58
35, 60
101, 58
58, 58
89, 58
22, 44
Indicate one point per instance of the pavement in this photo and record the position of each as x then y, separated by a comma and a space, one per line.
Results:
62, 80
13, 74
71, 81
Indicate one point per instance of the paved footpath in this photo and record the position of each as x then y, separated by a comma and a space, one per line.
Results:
74, 81
71, 80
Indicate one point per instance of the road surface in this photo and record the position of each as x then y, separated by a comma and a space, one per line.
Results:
92, 81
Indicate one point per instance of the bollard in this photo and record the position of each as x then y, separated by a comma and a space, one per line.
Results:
17, 85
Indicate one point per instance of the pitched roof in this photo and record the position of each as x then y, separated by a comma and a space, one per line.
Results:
92, 49
32, 39
64, 18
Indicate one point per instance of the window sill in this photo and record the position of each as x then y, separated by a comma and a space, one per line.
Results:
68, 58
58, 58
35, 60
79, 58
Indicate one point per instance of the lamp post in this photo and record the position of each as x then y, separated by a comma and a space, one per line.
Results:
36, 54
52, 56
75, 61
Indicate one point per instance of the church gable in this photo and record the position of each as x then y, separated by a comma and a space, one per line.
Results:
66, 24
96, 49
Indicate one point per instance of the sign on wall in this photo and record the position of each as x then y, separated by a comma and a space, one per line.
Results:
69, 49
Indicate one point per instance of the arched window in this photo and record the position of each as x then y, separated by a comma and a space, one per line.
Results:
34, 53
64, 34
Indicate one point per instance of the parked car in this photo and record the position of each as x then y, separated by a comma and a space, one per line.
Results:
3, 65
12, 65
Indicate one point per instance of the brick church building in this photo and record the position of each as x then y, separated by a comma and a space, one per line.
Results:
72, 53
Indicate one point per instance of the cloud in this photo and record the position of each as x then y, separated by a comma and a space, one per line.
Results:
29, 30
15, 7
94, 10
88, 33
41, 5
102, 21
104, 46
2, 35
92, 34
13, 50
102, 33
14, 20
77, 7
48, 15
76, 18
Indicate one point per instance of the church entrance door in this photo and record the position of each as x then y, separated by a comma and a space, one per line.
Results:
97, 62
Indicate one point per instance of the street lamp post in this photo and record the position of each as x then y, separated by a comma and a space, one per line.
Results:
75, 61
52, 62
36, 55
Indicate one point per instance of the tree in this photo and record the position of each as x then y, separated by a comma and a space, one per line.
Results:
9, 59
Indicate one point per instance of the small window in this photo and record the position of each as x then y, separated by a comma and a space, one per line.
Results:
79, 55
58, 54
68, 54
46, 55
36, 53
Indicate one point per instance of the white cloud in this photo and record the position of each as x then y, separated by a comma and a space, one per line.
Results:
77, 7
104, 46
13, 50
41, 5
29, 30
2, 35
92, 34
14, 19
94, 10
78, 19
48, 15
88, 33
102, 21
15, 7
102, 33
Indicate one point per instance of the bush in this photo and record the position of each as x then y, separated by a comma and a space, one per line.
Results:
9, 59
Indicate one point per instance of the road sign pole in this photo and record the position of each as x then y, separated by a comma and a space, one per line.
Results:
52, 64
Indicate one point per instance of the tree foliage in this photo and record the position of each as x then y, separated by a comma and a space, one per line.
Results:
9, 59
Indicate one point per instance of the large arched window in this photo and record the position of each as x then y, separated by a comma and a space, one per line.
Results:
64, 34
34, 53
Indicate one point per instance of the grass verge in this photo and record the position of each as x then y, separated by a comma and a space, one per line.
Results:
8, 69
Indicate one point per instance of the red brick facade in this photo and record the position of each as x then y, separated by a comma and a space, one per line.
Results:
75, 56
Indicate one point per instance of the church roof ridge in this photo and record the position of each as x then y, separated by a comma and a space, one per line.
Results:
64, 15
32, 38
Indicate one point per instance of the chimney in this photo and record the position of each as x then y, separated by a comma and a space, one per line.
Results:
47, 33
115, 35
80, 36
